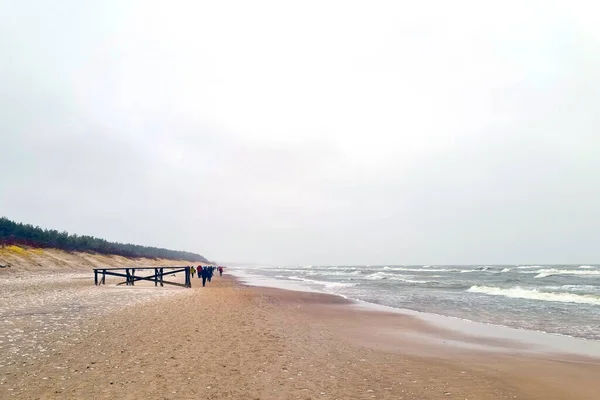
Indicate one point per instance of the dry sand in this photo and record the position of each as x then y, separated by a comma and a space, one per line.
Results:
232, 341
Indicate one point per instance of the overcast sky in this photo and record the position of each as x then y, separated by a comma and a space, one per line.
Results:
313, 132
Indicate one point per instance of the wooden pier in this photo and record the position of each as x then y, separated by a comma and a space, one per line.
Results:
130, 276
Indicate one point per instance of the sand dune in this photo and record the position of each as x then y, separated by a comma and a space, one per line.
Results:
16, 260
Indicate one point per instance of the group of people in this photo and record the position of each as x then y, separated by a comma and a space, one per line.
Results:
206, 272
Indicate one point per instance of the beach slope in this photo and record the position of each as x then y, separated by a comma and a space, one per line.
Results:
232, 341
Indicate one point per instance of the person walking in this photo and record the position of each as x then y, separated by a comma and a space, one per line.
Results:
220, 271
193, 271
205, 274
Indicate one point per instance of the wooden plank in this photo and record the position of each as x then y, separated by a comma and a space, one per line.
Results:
114, 269
158, 276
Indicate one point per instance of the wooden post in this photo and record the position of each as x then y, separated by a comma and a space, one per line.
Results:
132, 276
161, 277
155, 277
103, 276
188, 283
96, 277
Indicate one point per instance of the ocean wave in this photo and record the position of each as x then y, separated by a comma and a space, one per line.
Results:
544, 273
530, 266
427, 270
398, 278
377, 276
337, 284
324, 283
587, 266
394, 277
575, 288
506, 270
337, 272
534, 294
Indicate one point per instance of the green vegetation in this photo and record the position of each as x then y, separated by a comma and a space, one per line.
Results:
13, 233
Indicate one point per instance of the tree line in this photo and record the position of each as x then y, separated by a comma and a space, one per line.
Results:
16, 233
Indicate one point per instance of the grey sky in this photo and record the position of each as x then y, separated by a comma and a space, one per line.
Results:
316, 133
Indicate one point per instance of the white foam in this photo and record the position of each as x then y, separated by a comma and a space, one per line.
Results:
428, 269
534, 294
324, 283
543, 273
337, 284
377, 276
575, 288
506, 270
401, 279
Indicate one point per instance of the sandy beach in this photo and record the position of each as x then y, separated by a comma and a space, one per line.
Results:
62, 337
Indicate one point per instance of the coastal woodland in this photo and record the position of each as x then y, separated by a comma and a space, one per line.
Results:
16, 233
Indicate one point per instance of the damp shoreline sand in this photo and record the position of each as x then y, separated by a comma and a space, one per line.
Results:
229, 340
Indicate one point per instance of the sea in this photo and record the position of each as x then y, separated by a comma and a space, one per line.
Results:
559, 299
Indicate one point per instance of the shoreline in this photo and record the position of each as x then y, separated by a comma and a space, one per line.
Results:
405, 336
230, 340
535, 341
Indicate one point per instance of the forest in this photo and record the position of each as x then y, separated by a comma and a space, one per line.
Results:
16, 233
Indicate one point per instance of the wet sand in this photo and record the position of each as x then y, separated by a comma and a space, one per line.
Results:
232, 341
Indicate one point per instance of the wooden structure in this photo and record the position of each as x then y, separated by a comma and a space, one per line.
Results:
130, 277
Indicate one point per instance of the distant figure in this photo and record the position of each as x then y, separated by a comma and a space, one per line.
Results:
193, 271
220, 271
211, 270
205, 274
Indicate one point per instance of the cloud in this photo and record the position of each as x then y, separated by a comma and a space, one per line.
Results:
315, 133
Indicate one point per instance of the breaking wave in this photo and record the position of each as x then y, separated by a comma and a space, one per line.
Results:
393, 277
377, 276
534, 294
543, 273
324, 283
